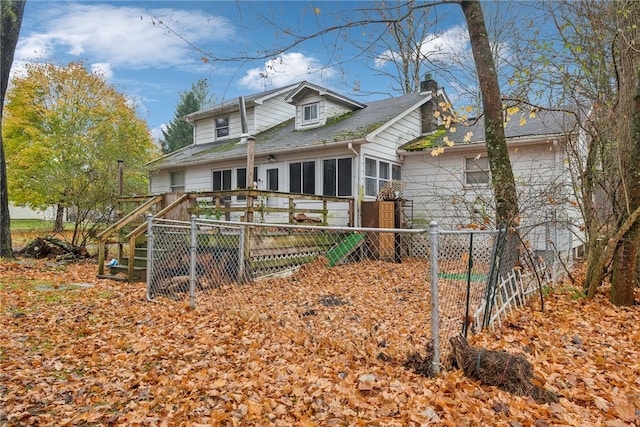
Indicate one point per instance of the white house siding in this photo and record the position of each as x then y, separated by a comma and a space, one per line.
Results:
335, 110
436, 186
274, 111
23, 212
204, 130
159, 182
259, 118
385, 144
199, 178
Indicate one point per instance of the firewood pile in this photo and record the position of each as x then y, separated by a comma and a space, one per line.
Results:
54, 249
510, 372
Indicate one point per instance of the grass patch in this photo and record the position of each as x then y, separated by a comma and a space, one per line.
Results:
39, 290
105, 294
40, 225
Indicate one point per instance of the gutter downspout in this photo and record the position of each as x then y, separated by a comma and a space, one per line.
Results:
356, 205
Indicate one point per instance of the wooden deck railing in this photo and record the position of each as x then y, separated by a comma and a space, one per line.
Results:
248, 206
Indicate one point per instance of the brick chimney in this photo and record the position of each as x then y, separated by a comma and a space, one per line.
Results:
428, 85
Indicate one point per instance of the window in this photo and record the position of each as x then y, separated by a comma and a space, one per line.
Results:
310, 113
476, 170
302, 177
222, 180
177, 181
241, 179
222, 127
396, 172
377, 173
336, 177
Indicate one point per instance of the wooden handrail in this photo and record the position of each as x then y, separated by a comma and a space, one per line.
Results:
117, 226
133, 235
216, 197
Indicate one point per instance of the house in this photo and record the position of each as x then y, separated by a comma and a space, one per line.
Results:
311, 140
447, 172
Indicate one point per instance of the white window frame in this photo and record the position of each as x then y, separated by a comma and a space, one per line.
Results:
477, 171
382, 167
174, 181
310, 107
335, 187
311, 182
222, 127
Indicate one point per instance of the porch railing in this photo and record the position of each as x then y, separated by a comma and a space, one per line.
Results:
243, 205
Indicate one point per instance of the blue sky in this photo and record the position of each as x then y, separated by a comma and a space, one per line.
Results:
149, 50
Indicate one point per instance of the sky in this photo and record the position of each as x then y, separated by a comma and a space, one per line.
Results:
152, 51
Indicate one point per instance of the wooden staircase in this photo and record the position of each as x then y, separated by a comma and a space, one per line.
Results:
120, 271
130, 233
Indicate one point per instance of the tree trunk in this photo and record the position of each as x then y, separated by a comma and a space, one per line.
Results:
11, 12
628, 113
504, 187
59, 225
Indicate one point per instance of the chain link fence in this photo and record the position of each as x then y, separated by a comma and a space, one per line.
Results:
390, 291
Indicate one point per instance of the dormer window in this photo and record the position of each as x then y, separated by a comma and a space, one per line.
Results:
310, 113
222, 127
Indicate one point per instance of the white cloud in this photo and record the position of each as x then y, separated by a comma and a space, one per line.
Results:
156, 134
448, 48
102, 69
125, 36
286, 69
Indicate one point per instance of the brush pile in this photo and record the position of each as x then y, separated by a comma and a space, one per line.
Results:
510, 372
53, 249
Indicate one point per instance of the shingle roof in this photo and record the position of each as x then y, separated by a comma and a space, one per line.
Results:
520, 125
234, 104
351, 126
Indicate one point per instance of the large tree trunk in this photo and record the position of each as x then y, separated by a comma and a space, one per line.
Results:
628, 113
504, 186
503, 182
11, 12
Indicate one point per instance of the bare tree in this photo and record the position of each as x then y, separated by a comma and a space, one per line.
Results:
595, 69
501, 172
11, 12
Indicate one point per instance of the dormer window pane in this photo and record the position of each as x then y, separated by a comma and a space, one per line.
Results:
310, 113
222, 127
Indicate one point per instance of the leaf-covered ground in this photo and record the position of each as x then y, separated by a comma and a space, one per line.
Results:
75, 350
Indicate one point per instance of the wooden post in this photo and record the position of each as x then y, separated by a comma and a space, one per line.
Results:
325, 211
292, 207
251, 140
120, 178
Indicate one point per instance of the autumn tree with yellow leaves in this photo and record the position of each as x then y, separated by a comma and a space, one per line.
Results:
65, 130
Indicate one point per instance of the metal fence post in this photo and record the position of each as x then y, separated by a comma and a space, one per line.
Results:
149, 254
465, 322
435, 304
192, 271
241, 254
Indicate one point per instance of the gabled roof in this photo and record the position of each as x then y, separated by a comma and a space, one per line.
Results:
234, 104
352, 127
305, 87
524, 125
